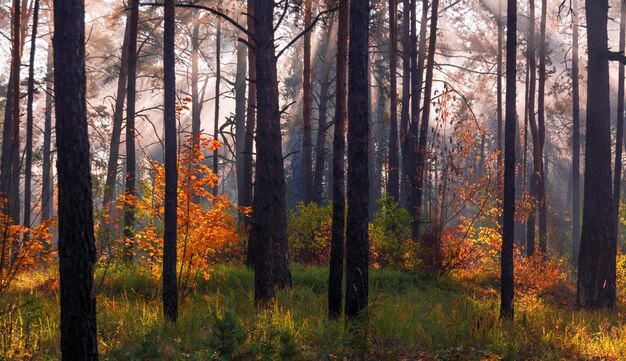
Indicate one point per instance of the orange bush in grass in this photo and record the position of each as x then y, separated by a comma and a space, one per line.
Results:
206, 223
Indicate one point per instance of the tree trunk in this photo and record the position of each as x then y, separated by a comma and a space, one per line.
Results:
46, 186
170, 206
541, 118
335, 276
358, 129
619, 134
393, 183
28, 169
596, 263
576, 137
271, 263
218, 81
130, 191
320, 146
406, 98
307, 162
247, 193
421, 152
118, 120
240, 121
530, 222
508, 218
196, 105
77, 250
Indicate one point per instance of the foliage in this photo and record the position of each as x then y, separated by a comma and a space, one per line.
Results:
309, 231
389, 234
206, 222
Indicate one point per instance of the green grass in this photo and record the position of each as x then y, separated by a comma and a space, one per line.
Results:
410, 318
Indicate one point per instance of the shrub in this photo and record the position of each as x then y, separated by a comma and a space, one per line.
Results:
309, 231
389, 234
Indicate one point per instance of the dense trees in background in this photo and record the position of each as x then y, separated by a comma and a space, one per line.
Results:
77, 250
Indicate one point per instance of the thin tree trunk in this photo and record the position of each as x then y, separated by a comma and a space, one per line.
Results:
596, 263
307, 162
393, 183
28, 169
218, 81
196, 105
576, 137
170, 289
247, 193
118, 120
46, 186
405, 189
541, 118
130, 191
335, 276
530, 222
77, 250
508, 219
240, 121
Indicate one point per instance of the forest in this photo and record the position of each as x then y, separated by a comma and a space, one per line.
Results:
312, 180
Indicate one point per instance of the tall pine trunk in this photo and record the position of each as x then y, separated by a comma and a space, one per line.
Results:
541, 119
393, 182
218, 81
619, 134
247, 191
532, 65
46, 185
575, 137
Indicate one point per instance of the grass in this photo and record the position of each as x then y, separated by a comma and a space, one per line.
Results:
410, 318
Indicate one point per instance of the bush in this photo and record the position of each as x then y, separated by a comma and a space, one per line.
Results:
309, 232
389, 234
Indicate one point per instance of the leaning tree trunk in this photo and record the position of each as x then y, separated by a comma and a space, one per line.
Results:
357, 267
170, 206
508, 218
28, 168
271, 262
116, 132
130, 191
77, 250
596, 263
335, 276
393, 182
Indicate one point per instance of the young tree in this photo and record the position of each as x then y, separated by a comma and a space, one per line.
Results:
335, 276
358, 129
508, 219
170, 289
596, 262
77, 251
130, 191
271, 262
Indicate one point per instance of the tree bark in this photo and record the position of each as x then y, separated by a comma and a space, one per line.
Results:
406, 98
77, 251
130, 191
307, 162
271, 263
508, 219
240, 122
170, 206
596, 263
335, 276
619, 134
358, 129
393, 182
247, 193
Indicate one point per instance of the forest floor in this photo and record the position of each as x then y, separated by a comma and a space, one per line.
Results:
410, 318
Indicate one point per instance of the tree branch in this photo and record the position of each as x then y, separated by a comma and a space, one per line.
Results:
306, 30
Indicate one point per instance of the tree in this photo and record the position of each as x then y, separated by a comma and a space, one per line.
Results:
596, 262
541, 120
218, 81
170, 289
307, 162
619, 133
406, 97
575, 137
532, 64
335, 276
357, 246
271, 262
508, 218
130, 191
393, 183
240, 123
247, 191
46, 184
77, 250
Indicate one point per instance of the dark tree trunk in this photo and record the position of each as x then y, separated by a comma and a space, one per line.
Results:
240, 122
170, 289
271, 263
358, 129
406, 98
247, 191
508, 219
499, 93
196, 105
541, 118
596, 263
46, 186
576, 137
532, 65
118, 120
10, 134
28, 169
77, 250
307, 162
393, 182
218, 81
420, 152
130, 191
619, 134
320, 146
335, 276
